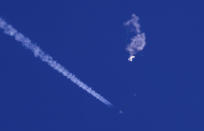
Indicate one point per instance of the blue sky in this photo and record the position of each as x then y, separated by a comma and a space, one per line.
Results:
160, 91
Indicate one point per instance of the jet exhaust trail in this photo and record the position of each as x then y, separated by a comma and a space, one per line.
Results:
28, 44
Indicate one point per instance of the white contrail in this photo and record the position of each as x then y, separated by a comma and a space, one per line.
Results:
26, 42
138, 41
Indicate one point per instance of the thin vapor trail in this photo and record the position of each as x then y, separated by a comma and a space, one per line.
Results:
26, 42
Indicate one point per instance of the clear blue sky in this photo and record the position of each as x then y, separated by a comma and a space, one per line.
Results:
162, 90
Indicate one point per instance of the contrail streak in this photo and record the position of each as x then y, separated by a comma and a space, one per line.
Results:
26, 42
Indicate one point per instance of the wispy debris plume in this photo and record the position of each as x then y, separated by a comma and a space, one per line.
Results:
26, 42
137, 43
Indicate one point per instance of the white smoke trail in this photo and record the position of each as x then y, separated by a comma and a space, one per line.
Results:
138, 41
26, 42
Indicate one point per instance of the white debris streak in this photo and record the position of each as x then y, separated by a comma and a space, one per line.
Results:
138, 42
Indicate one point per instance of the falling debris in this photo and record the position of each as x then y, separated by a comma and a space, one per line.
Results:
120, 112
131, 57
137, 43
